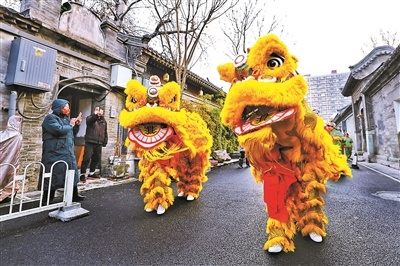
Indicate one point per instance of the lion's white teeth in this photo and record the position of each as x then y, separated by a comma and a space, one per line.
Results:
267, 79
248, 78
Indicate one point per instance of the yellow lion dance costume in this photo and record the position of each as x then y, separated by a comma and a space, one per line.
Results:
171, 142
290, 151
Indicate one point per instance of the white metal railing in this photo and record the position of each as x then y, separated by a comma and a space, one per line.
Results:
67, 210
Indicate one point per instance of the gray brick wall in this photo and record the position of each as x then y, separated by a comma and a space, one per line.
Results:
74, 58
387, 145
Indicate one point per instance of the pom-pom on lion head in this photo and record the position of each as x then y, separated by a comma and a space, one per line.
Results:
236, 71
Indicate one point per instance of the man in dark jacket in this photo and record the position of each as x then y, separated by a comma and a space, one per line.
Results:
58, 132
96, 137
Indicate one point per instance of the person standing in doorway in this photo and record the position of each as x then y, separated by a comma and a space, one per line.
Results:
58, 132
96, 137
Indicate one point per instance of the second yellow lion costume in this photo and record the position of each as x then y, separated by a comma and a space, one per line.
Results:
286, 143
171, 142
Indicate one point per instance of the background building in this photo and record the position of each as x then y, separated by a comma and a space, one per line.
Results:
324, 93
374, 87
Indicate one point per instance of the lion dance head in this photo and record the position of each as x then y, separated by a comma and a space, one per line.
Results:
171, 142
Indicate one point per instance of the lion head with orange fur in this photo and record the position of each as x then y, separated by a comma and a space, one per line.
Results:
266, 107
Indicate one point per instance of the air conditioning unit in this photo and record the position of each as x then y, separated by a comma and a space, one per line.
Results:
120, 75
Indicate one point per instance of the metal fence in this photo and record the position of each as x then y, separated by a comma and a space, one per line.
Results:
66, 210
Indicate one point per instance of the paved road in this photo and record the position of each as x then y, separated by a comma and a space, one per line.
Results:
225, 226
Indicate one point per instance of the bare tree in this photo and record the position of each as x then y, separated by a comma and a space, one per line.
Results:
179, 27
384, 37
182, 26
247, 21
121, 12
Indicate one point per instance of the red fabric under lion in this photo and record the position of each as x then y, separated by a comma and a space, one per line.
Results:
276, 184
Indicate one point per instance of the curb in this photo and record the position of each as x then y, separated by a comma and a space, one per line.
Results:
96, 184
384, 173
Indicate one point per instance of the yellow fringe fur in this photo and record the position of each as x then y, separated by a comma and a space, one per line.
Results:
299, 141
184, 157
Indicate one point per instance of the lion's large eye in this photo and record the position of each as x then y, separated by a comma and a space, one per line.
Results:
275, 61
173, 99
133, 100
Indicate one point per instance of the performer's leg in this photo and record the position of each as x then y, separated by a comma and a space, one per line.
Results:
312, 218
191, 179
158, 195
280, 234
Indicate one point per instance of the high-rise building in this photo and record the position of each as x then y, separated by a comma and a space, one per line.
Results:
324, 93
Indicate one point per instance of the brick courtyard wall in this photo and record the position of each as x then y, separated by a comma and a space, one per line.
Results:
76, 56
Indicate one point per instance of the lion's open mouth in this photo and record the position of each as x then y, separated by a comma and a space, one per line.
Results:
150, 135
255, 117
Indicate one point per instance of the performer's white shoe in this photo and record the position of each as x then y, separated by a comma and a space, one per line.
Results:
315, 237
190, 198
160, 210
181, 194
149, 210
275, 249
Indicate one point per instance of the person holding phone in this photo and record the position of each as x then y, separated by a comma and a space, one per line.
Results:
96, 137
58, 132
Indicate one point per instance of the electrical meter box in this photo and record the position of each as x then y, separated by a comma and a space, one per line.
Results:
31, 65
